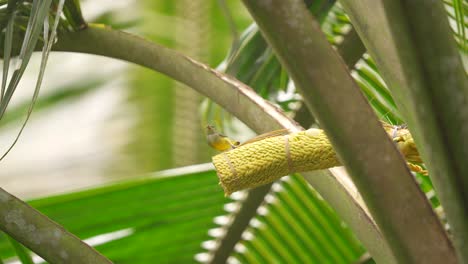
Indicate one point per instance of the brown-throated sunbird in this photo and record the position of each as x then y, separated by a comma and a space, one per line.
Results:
219, 141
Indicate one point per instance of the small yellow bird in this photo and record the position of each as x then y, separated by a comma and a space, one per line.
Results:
219, 141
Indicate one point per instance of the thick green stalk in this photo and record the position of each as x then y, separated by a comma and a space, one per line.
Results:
234, 96
360, 221
398, 206
424, 71
351, 50
73, 14
43, 236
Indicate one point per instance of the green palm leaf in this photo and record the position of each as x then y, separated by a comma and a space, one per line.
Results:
296, 225
162, 216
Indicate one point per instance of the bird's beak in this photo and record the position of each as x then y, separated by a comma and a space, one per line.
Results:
209, 129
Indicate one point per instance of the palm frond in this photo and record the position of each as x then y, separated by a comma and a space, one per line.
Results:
38, 19
295, 225
166, 217
21, 251
457, 10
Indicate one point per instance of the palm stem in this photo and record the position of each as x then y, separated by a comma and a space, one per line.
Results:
429, 84
354, 131
43, 236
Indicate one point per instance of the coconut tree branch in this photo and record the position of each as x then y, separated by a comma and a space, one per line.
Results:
43, 236
351, 50
354, 131
424, 71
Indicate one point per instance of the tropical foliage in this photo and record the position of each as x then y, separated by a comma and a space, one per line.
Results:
310, 60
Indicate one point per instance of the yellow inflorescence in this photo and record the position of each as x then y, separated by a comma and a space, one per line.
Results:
266, 160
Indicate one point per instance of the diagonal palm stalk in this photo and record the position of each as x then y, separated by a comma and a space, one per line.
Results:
429, 83
311, 60
43, 236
